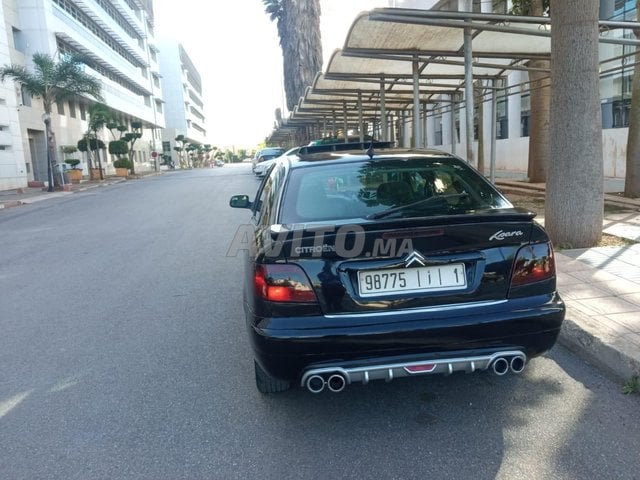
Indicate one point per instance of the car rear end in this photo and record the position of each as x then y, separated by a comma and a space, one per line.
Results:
401, 265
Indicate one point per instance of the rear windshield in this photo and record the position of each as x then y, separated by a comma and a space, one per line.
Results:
393, 188
271, 152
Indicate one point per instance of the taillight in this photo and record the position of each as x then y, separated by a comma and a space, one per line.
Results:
533, 264
283, 283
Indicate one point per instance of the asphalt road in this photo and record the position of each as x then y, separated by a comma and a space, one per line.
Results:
123, 354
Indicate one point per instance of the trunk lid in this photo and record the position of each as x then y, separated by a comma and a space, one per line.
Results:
406, 263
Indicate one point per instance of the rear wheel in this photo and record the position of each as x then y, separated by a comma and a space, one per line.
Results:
267, 384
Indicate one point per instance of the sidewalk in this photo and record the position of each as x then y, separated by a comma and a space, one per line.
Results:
600, 286
28, 195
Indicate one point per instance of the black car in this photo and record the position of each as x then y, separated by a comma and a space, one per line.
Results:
388, 263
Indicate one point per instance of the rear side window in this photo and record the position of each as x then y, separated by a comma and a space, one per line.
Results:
411, 187
268, 194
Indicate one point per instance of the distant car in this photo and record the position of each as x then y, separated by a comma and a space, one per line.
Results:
391, 263
219, 163
266, 154
263, 167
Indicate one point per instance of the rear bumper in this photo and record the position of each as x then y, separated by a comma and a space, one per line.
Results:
287, 347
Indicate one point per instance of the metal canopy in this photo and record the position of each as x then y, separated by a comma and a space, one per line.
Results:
396, 60
430, 32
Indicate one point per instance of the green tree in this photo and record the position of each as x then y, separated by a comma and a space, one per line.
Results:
53, 81
632, 177
131, 138
99, 115
527, 7
181, 143
298, 23
575, 198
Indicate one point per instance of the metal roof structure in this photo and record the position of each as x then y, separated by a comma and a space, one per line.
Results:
394, 60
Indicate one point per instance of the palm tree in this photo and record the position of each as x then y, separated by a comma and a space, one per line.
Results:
632, 177
52, 82
298, 24
540, 99
575, 198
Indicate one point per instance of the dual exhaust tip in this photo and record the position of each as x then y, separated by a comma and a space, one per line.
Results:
502, 365
336, 382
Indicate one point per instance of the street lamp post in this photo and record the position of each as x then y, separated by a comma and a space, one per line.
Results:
46, 118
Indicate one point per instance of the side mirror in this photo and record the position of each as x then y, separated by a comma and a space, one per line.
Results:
240, 201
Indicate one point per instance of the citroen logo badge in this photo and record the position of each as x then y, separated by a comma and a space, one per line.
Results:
415, 257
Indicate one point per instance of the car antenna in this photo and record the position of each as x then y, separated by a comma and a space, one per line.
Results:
370, 151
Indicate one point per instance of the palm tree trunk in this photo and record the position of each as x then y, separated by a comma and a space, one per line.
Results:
575, 198
540, 98
632, 177
299, 32
47, 136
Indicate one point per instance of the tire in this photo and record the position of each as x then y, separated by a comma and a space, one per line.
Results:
267, 384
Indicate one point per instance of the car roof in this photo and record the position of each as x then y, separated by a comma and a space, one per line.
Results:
359, 155
272, 149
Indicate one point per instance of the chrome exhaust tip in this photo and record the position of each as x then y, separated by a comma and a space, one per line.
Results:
517, 364
500, 366
336, 383
315, 383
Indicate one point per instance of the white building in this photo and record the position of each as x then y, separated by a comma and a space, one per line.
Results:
184, 107
14, 171
117, 35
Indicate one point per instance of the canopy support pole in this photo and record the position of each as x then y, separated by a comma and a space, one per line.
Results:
468, 87
494, 121
424, 125
360, 121
452, 122
417, 130
334, 132
383, 112
344, 116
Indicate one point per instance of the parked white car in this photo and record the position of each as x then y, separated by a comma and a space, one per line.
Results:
262, 168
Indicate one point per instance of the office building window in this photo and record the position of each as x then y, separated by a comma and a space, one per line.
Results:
438, 130
26, 98
500, 6
19, 42
83, 112
60, 105
502, 115
72, 109
525, 114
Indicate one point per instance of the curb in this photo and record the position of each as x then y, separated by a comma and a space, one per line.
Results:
47, 195
11, 204
614, 355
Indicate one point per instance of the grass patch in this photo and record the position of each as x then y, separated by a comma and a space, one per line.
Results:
631, 386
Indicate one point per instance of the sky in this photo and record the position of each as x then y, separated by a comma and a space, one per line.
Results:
234, 46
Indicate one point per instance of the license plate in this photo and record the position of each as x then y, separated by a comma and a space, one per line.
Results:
420, 279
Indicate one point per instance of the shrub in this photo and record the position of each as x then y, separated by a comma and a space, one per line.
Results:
123, 163
118, 147
72, 162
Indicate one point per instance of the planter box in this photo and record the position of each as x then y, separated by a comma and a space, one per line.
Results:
95, 173
122, 172
75, 175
